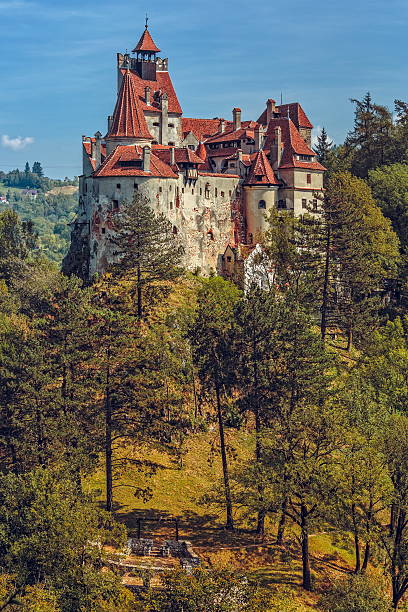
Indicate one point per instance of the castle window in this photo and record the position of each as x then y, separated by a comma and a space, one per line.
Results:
171, 205
103, 230
230, 193
216, 192
171, 124
281, 204
309, 179
135, 186
171, 144
115, 204
228, 257
175, 230
261, 204
154, 142
314, 205
117, 185
304, 203
182, 190
201, 191
86, 187
192, 147
170, 187
232, 165
156, 124
222, 194
192, 191
160, 189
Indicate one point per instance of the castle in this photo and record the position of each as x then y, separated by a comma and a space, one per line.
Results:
214, 179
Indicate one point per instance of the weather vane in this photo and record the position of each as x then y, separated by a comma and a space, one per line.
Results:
147, 21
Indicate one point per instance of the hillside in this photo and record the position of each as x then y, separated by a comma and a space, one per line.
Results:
50, 211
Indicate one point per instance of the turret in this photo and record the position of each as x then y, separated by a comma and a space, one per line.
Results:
146, 51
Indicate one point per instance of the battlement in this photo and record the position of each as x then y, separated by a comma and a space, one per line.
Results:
126, 61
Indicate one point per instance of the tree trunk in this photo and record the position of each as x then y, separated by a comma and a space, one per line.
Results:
260, 527
230, 521
282, 523
366, 557
307, 580
108, 437
349, 338
139, 296
325, 296
356, 540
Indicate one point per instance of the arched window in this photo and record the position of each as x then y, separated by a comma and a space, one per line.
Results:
175, 230
261, 204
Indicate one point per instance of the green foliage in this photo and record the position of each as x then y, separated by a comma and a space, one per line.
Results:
357, 594
148, 250
205, 591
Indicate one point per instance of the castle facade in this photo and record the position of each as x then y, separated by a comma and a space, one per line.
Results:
214, 179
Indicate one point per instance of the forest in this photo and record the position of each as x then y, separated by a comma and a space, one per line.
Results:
49, 204
272, 421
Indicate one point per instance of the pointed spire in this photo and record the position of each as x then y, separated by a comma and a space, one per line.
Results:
128, 119
261, 172
146, 43
201, 151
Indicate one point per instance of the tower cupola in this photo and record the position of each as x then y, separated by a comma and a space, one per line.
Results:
146, 51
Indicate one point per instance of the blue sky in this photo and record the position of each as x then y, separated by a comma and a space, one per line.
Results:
57, 63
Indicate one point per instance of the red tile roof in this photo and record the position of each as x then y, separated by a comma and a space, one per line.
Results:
239, 134
261, 172
182, 155
296, 113
224, 152
112, 167
218, 174
146, 43
162, 85
88, 149
293, 144
128, 117
201, 128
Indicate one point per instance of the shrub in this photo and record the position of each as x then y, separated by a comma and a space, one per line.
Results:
357, 594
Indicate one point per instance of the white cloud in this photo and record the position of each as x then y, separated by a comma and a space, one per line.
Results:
13, 5
16, 144
316, 133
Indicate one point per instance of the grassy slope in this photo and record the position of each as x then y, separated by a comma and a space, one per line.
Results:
177, 492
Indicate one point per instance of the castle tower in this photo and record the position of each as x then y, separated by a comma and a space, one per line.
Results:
260, 189
146, 51
128, 125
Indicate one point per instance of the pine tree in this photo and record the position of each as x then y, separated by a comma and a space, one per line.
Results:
210, 338
148, 251
323, 148
27, 168
37, 169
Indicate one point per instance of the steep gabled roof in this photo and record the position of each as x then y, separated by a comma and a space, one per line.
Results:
133, 153
261, 172
161, 85
146, 43
128, 117
293, 144
296, 114
201, 128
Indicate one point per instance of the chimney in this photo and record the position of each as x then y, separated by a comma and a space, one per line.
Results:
110, 121
97, 149
172, 156
240, 155
146, 158
147, 95
236, 118
277, 147
270, 109
258, 137
222, 126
